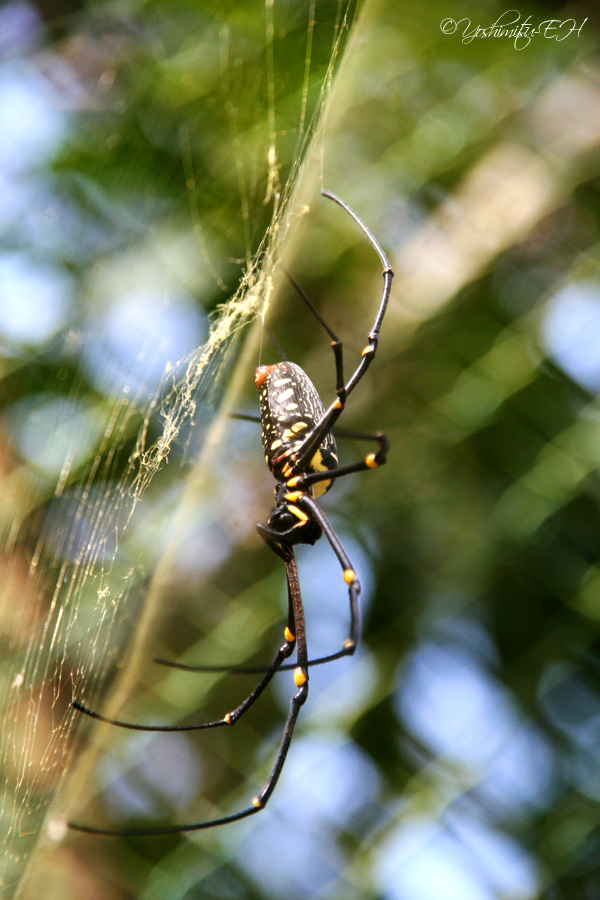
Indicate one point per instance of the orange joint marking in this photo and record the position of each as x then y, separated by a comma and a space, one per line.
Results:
348, 645
371, 462
300, 676
293, 481
349, 576
289, 636
294, 495
337, 404
257, 802
227, 719
368, 349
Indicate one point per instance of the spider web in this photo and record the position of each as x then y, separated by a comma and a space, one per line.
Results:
74, 596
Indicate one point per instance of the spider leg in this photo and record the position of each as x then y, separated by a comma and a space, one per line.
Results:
246, 417
310, 505
312, 440
231, 717
371, 461
314, 510
299, 698
336, 343
269, 536
300, 679
247, 670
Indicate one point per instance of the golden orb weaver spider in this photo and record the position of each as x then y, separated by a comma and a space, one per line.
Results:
300, 451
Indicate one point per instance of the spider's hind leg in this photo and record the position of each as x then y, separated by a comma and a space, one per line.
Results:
295, 621
267, 672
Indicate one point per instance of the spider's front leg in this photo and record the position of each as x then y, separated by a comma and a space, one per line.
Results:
327, 420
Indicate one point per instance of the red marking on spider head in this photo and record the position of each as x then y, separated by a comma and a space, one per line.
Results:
261, 374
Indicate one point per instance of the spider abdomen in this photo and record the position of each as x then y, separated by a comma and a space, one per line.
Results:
289, 408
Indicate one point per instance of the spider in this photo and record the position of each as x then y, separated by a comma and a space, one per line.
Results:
300, 451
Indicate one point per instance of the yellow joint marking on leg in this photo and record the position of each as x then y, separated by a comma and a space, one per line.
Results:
298, 513
293, 481
227, 719
368, 349
256, 801
294, 495
371, 462
300, 676
289, 635
347, 645
349, 576
337, 404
